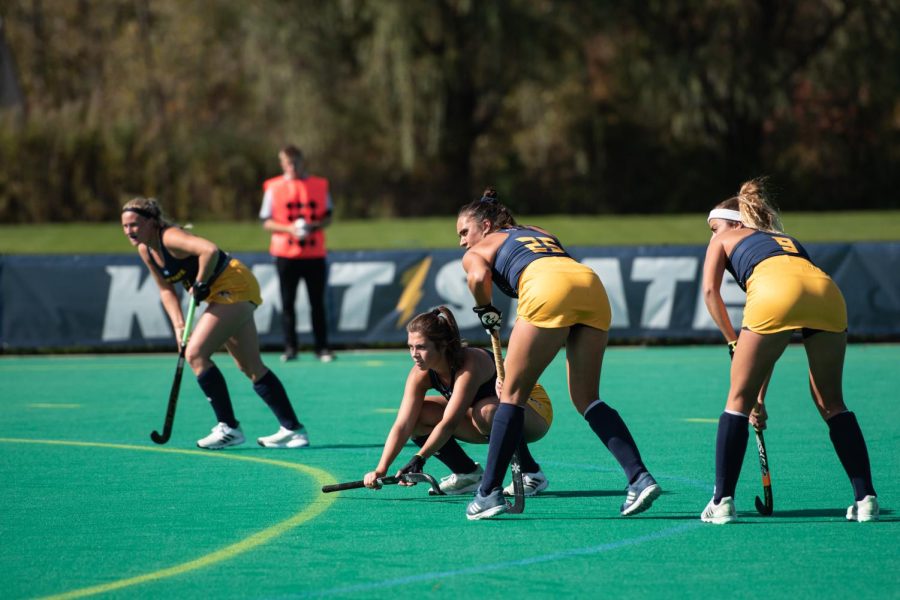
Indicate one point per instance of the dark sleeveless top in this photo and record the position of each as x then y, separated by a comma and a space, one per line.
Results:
521, 247
757, 247
486, 389
185, 269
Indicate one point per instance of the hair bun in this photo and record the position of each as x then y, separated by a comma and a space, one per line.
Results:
489, 195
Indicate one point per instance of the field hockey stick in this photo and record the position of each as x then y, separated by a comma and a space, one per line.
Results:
515, 465
176, 384
764, 508
391, 480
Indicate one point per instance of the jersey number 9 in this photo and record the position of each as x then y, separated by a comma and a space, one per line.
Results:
787, 244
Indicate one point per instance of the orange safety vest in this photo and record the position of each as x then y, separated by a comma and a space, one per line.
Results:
294, 199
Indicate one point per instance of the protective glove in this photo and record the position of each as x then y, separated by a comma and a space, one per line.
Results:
200, 291
414, 465
489, 316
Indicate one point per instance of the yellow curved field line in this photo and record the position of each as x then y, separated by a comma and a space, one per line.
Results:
226, 553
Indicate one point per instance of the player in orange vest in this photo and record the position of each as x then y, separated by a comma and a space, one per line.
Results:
297, 208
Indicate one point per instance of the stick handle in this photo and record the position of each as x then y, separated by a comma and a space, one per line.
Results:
188, 324
352, 485
498, 355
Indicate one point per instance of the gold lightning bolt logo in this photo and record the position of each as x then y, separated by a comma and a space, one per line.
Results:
413, 281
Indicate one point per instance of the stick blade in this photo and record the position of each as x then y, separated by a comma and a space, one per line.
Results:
765, 509
160, 438
518, 505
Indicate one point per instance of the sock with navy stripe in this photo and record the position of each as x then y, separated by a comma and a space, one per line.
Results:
612, 431
216, 390
731, 444
269, 388
850, 445
506, 432
451, 454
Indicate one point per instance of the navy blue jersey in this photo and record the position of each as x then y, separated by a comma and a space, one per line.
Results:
757, 247
521, 247
185, 269
484, 390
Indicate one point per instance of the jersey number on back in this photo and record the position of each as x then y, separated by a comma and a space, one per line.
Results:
540, 245
787, 244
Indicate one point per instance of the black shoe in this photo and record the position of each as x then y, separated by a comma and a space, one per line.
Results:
289, 354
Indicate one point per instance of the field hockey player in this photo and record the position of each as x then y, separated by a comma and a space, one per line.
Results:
232, 294
786, 292
465, 378
560, 302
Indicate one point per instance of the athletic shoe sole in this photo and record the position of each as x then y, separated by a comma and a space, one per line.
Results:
719, 520
283, 446
488, 513
644, 500
221, 446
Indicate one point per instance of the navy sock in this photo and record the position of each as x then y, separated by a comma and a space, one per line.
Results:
612, 431
526, 460
451, 454
213, 385
269, 388
731, 445
851, 449
506, 432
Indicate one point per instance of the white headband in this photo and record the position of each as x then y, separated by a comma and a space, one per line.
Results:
724, 213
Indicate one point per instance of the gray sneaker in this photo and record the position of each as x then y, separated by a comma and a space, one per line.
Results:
641, 495
485, 507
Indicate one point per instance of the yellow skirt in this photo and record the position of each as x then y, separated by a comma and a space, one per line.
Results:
788, 292
561, 292
539, 402
235, 284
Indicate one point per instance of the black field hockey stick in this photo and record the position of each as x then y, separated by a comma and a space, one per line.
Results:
764, 508
515, 465
391, 480
162, 438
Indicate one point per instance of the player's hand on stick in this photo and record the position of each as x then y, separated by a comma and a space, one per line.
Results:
200, 291
759, 416
732, 346
490, 317
415, 465
371, 480
179, 334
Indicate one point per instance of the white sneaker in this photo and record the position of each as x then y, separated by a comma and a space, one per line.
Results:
285, 438
864, 510
222, 436
534, 483
720, 513
462, 483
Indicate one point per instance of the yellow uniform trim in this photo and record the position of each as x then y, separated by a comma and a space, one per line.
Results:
560, 292
235, 284
789, 292
539, 402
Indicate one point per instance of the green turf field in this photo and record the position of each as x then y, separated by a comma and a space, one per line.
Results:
438, 232
92, 507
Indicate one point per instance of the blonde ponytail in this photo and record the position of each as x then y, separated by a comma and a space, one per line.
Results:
756, 209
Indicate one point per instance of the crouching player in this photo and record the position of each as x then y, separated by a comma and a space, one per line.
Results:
466, 380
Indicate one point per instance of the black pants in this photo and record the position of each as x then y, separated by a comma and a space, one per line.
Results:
290, 272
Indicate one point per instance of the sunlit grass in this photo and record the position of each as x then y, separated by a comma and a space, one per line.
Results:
439, 232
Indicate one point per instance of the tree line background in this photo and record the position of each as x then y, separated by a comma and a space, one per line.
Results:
411, 107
